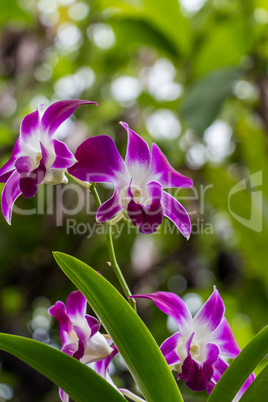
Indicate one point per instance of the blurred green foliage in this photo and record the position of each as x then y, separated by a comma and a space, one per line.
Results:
191, 76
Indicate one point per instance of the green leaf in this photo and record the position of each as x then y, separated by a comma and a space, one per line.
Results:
204, 99
12, 12
226, 35
258, 390
135, 30
132, 338
167, 17
75, 378
241, 368
164, 16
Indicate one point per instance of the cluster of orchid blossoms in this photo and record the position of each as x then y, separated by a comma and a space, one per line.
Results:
82, 340
139, 180
200, 350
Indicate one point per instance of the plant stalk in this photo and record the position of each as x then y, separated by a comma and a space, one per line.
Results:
110, 245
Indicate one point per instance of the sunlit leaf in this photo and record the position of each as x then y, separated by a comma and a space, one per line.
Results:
258, 390
204, 99
241, 368
75, 378
163, 16
132, 338
225, 48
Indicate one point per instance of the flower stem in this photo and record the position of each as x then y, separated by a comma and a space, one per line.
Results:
110, 244
130, 395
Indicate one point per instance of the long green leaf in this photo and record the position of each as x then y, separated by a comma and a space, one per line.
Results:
258, 390
75, 378
132, 338
164, 16
241, 368
204, 99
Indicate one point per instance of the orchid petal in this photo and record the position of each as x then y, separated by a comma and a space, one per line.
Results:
109, 208
29, 182
243, 389
147, 218
176, 213
29, 126
93, 324
210, 315
168, 348
9, 166
165, 173
224, 338
5, 176
101, 366
63, 395
24, 164
59, 312
58, 112
45, 154
76, 305
82, 342
212, 352
196, 375
97, 349
219, 366
99, 161
64, 157
69, 348
189, 342
10, 193
172, 305
138, 153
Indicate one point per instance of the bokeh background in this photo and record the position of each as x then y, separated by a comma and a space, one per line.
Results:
190, 75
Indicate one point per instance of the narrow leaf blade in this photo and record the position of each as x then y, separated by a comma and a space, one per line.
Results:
241, 368
75, 378
258, 390
132, 338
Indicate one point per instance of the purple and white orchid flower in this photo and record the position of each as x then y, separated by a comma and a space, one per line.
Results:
102, 368
37, 157
138, 182
198, 351
80, 334
82, 340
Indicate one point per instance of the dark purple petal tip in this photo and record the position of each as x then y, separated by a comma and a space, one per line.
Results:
196, 375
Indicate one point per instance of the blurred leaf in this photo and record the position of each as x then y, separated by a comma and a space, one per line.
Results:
203, 101
5, 134
164, 17
261, 4
12, 12
132, 338
135, 31
11, 300
224, 48
258, 390
75, 378
240, 369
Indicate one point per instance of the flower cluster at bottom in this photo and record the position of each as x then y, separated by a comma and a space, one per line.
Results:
82, 340
198, 351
